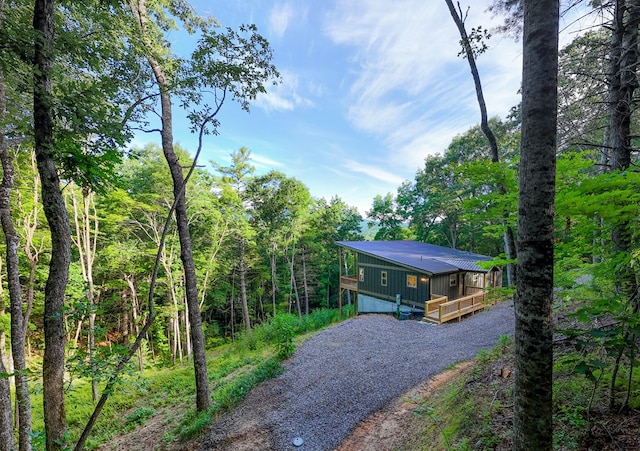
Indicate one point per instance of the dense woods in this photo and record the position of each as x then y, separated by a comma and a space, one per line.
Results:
113, 252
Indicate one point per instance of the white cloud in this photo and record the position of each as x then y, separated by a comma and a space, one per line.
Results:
374, 172
279, 19
265, 162
410, 89
285, 96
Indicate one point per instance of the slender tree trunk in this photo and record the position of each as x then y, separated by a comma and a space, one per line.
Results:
135, 313
85, 241
187, 331
274, 286
534, 290
58, 220
304, 281
6, 421
294, 284
191, 287
30, 225
508, 237
242, 273
23, 403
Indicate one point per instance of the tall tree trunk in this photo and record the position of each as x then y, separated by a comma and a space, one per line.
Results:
534, 290
32, 251
191, 287
508, 235
23, 403
623, 82
135, 313
58, 220
6, 421
86, 241
304, 281
294, 284
274, 286
11, 239
242, 273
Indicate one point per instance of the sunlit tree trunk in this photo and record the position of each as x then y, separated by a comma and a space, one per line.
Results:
534, 290
31, 249
203, 401
6, 419
274, 285
135, 313
304, 281
87, 226
242, 273
23, 403
294, 284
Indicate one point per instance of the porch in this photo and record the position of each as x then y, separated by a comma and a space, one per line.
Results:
439, 309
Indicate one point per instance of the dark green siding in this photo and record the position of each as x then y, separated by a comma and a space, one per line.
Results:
396, 281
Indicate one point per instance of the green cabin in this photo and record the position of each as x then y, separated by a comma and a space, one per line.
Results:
378, 274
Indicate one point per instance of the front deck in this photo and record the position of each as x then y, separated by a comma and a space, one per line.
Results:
440, 310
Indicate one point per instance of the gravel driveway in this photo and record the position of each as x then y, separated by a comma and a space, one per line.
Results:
344, 374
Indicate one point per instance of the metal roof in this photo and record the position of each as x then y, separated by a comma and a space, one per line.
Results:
423, 257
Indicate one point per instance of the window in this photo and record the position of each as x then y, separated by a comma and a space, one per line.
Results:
453, 280
361, 274
383, 278
412, 281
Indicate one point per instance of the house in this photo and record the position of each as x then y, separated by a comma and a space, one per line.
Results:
381, 274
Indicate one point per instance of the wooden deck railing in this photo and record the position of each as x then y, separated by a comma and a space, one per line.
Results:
440, 310
349, 283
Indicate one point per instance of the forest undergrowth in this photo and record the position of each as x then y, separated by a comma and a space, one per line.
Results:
474, 411
156, 408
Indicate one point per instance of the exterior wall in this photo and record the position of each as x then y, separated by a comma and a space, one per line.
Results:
474, 282
441, 284
494, 278
370, 304
370, 280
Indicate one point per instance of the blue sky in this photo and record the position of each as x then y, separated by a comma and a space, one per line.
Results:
369, 89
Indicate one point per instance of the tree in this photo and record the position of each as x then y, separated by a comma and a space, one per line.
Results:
221, 63
329, 222
13, 282
478, 36
57, 218
18, 318
278, 206
233, 183
623, 82
383, 212
534, 289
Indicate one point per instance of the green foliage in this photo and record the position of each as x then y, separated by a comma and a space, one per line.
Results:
462, 411
284, 324
384, 214
227, 396
138, 417
280, 331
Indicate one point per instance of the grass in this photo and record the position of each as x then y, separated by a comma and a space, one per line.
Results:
475, 409
459, 415
167, 395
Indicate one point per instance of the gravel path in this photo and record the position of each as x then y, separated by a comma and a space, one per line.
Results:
344, 374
